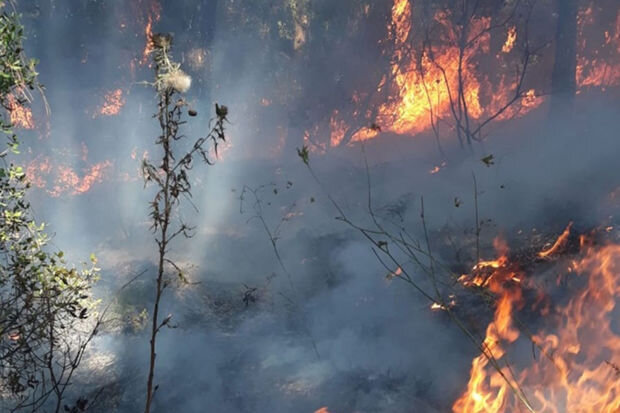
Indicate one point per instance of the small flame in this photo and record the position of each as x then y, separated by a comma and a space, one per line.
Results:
437, 168
338, 129
63, 179
491, 273
20, 115
153, 16
558, 244
113, 102
597, 66
394, 274
510, 40
450, 304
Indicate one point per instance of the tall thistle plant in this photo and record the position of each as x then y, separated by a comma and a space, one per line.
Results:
44, 303
170, 176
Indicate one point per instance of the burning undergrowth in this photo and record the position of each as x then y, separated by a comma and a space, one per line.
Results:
552, 342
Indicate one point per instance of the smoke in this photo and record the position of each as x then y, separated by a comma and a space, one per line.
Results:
336, 334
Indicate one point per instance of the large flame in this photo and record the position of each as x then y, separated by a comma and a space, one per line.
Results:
573, 364
423, 85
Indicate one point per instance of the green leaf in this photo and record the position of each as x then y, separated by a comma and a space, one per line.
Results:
304, 154
488, 160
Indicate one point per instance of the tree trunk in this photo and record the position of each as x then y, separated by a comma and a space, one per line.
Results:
563, 81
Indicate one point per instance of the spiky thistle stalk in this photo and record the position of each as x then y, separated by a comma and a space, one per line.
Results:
171, 178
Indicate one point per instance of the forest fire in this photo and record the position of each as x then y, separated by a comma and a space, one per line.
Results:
573, 358
376, 163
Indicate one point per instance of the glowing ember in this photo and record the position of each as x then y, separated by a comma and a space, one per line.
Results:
20, 115
394, 274
322, 410
558, 244
112, 104
437, 168
530, 100
450, 304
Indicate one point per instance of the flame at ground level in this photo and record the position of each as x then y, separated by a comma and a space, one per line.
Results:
430, 87
59, 179
112, 104
20, 115
572, 365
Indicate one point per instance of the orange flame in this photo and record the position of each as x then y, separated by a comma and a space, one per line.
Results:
558, 244
20, 115
510, 40
597, 66
578, 371
113, 102
338, 129
424, 87
153, 16
491, 273
62, 178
